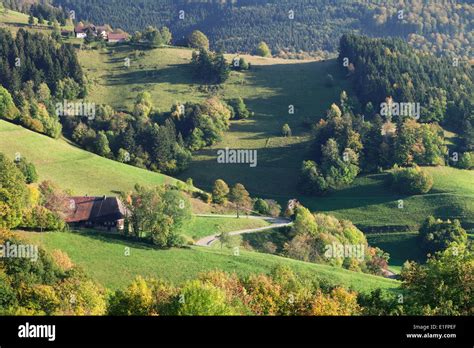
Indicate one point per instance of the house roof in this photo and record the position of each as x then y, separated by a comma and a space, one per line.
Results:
118, 36
101, 28
82, 28
79, 28
95, 209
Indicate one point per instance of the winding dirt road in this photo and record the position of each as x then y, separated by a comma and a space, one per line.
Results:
274, 223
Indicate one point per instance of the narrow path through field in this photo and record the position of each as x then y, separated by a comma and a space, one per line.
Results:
274, 223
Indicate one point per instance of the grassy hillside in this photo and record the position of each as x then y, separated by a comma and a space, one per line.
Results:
269, 88
368, 203
402, 247
12, 17
104, 259
14, 21
72, 168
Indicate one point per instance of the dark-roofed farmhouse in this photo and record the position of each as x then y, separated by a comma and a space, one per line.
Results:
96, 212
117, 37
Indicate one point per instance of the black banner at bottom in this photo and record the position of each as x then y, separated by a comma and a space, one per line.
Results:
238, 331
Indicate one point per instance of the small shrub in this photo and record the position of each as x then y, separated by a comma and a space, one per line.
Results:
269, 247
62, 260
436, 235
43, 219
412, 181
261, 207
274, 209
286, 130
466, 161
203, 196
28, 169
220, 192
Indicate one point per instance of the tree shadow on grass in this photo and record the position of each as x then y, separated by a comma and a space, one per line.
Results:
28, 26
271, 156
132, 78
114, 238
275, 180
355, 196
275, 175
292, 82
263, 128
173, 74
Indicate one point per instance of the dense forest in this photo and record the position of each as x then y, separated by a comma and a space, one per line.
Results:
37, 58
404, 101
291, 26
35, 71
389, 68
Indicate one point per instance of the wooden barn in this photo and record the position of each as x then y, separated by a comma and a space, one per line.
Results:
106, 213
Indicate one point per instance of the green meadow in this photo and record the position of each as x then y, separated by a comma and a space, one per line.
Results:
81, 172
269, 88
103, 257
402, 247
370, 204
367, 202
15, 21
